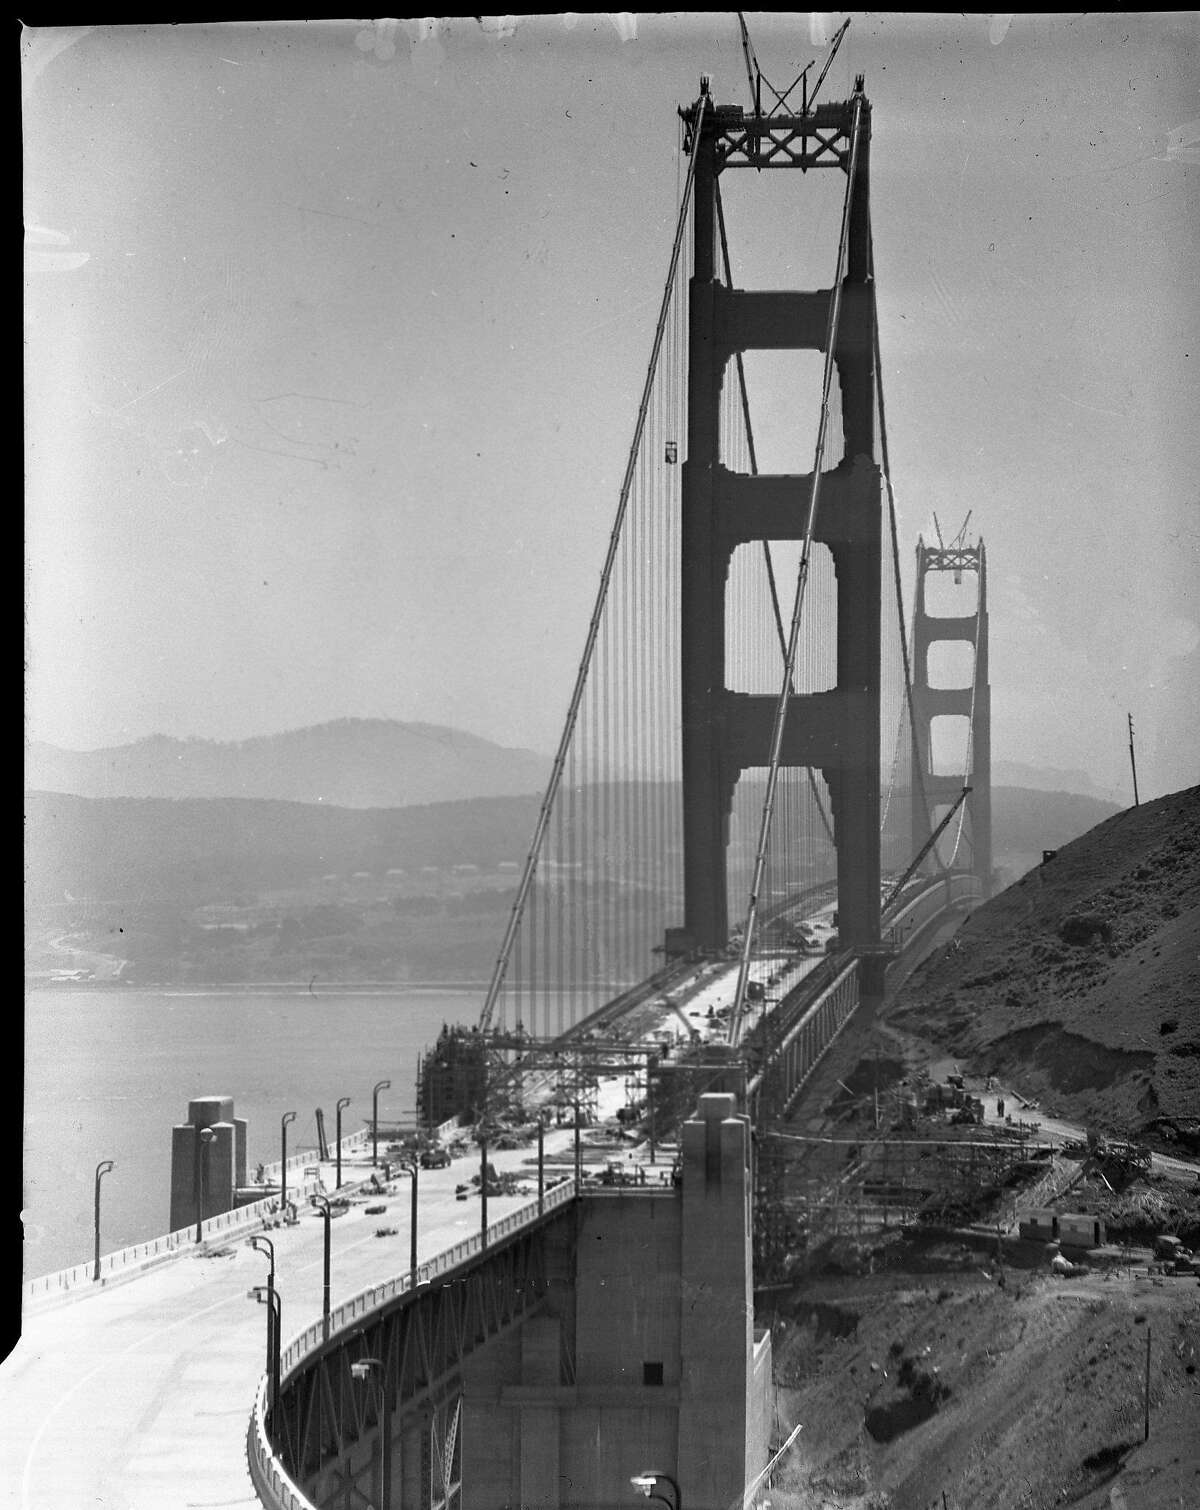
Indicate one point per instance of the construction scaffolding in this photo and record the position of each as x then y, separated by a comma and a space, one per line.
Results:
497, 1077
896, 1170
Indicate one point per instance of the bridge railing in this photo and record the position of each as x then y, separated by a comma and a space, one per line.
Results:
275, 1488
822, 1006
139, 1255
946, 892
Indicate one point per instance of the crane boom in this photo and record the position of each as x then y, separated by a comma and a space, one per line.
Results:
925, 848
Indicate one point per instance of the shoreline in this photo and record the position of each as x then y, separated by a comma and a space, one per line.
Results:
272, 987
257, 988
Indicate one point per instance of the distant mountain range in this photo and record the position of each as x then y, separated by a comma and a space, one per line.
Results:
353, 762
190, 850
1043, 778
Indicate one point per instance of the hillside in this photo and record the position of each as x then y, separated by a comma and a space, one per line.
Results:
939, 1369
1041, 778
1026, 821
191, 849
191, 852
241, 889
1080, 984
353, 762
934, 1386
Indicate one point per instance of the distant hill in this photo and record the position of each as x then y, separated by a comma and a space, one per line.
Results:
187, 849
1081, 984
189, 852
353, 762
128, 877
1024, 823
1034, 778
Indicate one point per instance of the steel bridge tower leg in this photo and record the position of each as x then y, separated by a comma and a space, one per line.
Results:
726, 732
973, 701
707, 781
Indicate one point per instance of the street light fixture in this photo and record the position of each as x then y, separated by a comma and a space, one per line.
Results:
483, 1182
344, 1102
383, 1085
283, 1127
414, 1167
101, 1170
322, 1205
274, 1314
204, 1136
541, 1162
649, 1482
362, 1369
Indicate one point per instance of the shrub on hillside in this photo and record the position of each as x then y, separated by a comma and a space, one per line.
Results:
1083, 927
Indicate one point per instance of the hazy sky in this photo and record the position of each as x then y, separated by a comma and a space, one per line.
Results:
336, 332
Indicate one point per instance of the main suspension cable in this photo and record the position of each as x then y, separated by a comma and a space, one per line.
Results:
781, 707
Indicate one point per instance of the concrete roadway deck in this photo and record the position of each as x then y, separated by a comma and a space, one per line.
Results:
136, 1396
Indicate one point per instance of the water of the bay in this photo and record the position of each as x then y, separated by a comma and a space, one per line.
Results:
108, 1073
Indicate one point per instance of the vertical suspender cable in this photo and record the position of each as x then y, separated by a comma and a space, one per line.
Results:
560, 757
781, 707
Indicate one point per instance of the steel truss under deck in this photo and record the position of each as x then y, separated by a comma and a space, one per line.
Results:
350, 1442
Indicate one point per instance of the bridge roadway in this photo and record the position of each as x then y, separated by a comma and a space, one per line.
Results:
137, 1395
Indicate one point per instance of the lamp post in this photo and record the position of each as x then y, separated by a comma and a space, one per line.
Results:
322, 1205
651, 1066
365, 1368
483, 1192
274, 1315
413, 1166
649, 1482
541, 1164
204, 1136
344, 1102
283, 1127
101, 1170
383, 1085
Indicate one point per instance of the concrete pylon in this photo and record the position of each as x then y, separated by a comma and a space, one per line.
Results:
218, 1164
724, 1385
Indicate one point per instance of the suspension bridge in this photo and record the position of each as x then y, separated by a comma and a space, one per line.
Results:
755, 732
755, 735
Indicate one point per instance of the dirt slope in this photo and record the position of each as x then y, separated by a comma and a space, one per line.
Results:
1029, 1395
1080, 985
928, 1384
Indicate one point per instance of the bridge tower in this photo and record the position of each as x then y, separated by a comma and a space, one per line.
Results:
727, 732
972, 702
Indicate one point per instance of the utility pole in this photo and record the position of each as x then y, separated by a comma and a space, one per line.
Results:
1132, 759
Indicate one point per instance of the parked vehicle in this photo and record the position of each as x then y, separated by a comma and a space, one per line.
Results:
435, 1158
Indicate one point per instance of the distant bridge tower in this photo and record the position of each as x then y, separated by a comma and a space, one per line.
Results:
972, 702
726, 732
